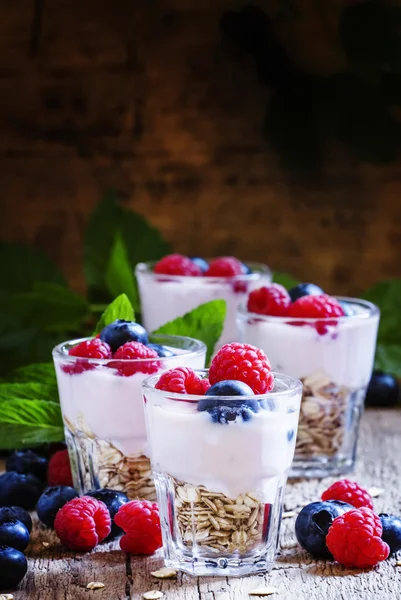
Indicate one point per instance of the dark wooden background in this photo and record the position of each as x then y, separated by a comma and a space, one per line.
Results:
143, 95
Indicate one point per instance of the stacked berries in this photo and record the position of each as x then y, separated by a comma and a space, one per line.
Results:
236, 370
126, 343
178, 264
344, 527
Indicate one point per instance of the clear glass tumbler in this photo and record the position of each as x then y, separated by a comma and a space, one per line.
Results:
334, 360
220, 483
166, 297
104, 421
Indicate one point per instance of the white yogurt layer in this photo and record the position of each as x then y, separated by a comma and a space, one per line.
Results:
163, 301
110, 406
229, 458
345, 353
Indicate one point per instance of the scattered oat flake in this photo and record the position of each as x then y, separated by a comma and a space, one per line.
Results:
6, 597
46, 544
289, 514
398, 563
95, 585
152, 595
376, 491
164, 573
263, 591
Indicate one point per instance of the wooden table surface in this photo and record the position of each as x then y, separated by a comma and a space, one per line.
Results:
57, 574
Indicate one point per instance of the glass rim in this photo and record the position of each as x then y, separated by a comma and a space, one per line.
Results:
146, 269
371, 310
197, 349
295, 385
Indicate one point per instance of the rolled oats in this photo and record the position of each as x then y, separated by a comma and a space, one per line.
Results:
95, 585
164, 573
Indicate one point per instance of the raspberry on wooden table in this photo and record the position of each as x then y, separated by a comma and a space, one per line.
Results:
136, 352
182, 380
354, 539
225, 266
177, 264
271, 300
140, 521
59, 469
349, 491
82, 523
242, 362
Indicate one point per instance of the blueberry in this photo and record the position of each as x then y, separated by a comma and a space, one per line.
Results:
27, 461
383, 390
227, 414
230, 387
304, 289
246, 269
347, 308
391, 531
118, 333
50, 502
16, 512
200, 262
224, 411
13, 567
113, 500
17, 489
313, 523
162, 351
13, 533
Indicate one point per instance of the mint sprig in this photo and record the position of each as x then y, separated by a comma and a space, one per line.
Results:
120, 308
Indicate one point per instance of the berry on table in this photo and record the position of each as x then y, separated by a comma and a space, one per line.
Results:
114, 500
93, 348
242, 362
391, 531
200, 262
349, 491
225, 266
316, 307
13, 533
354, 539
59, 470
50, 502
304, 289
17, 489
82, 523
120, 332
313, 523
137, 353
272, 300
27, 461
182, 380
140, 521
177, 264
383, 390
162, 351
8, 513
13, 567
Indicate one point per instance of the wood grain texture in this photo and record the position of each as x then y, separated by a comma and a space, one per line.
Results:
55, 574
143, 96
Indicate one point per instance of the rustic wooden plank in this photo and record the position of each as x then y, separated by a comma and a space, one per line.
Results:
58, 574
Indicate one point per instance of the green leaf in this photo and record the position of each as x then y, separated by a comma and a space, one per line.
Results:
23, 266
36, 373
288, 281
29, 422
120, 308
143, 242
204, 323
28, 391
388, 358
120, 274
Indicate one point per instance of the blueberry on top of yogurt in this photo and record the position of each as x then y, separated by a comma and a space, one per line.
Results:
120, 332
224, 411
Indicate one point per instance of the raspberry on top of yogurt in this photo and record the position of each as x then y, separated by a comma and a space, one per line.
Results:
223, 266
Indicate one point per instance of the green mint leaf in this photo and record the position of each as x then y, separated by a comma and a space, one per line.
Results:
143, 242
387, 296
29, 391
23, 266
204, 323
29, 422
120, 308
388, 358
24, 346
119, 273
36, 373
284, 279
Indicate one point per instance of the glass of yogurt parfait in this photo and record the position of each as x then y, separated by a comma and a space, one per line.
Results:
329, 343
99, 382
220, 456
177, 284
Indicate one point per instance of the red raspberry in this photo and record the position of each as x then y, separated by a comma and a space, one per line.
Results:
349, 491
273, 300
354, 539
140, 521
316, 307
93, 348
244, 363
135, 351
82, 523
182, 380
59, 469
225, 266
177, 264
